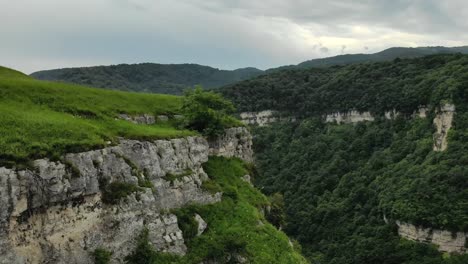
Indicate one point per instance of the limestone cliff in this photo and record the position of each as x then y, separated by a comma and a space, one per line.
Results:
261, 118
349, 117
235, 142
264, 118
443, 123
55, 212
453, 242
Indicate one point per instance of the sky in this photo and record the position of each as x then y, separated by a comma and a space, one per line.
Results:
227, 34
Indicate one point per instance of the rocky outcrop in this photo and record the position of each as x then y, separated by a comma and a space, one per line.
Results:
235, 142
453, 242
354, 116
145, 119
202, 225
349, 117
264, 118
54, 211
443, 123
261, 118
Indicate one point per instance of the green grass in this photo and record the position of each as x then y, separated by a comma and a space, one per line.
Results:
48, 119
172, 177
234, 224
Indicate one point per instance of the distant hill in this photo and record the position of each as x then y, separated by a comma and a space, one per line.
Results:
385, 55
149, 77
174, 78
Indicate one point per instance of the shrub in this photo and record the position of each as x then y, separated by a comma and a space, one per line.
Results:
187, 223
101, 256
112, 193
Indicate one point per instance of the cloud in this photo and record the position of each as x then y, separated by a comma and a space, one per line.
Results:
324, 49
221, 33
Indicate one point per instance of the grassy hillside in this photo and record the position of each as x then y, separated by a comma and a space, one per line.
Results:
149, 77
47, 119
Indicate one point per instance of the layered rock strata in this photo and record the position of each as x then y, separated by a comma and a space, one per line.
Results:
55, 212
453, 242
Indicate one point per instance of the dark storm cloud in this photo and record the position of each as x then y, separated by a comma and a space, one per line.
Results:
221, 33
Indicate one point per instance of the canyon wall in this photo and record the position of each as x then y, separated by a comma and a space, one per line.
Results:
61, 211
453, 242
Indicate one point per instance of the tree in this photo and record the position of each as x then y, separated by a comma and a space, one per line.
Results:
207, 112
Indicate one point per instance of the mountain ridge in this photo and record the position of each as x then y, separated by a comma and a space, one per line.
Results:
175, 78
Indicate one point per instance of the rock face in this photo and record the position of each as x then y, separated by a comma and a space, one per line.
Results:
264, 118
443, 123
349, 117
202, 225
453, 242
54, 212
236, 142
261, 118
145, 119
354, 116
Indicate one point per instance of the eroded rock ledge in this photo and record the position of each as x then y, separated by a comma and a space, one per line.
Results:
55, 211
264, 118
453, 242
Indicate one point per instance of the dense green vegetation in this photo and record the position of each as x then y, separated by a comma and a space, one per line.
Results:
235, 225
149, 77
340, 180
403, 85
41, 119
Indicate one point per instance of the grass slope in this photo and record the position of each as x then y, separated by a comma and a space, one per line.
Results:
42, 119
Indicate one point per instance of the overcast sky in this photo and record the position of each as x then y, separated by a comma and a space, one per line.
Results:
227, 34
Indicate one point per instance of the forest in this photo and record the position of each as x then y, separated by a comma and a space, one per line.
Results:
340, 182
402, 84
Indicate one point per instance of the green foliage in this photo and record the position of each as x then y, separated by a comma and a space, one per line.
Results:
276, 214
211, 186
44, 119
339, 181
402, 85
101, 256
187, 223
207, 112
148, 77
172, 177
233, 225
113, 192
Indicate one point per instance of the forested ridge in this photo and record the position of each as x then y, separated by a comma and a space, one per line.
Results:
402, 84
175, 78
340, 182
148, 77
